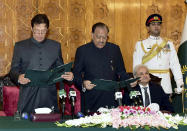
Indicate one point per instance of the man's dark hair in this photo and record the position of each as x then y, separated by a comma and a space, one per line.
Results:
40, 19
99, 24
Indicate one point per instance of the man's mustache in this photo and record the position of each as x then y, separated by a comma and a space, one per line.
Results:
101, 43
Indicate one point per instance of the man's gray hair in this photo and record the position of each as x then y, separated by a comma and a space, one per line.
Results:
137, 67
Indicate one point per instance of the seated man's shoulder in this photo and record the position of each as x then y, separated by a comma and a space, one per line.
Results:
155, 85
155, 79
157, 88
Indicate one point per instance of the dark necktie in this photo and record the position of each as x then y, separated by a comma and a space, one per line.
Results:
147, 102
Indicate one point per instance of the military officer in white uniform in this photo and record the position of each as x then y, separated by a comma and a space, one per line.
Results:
159, 55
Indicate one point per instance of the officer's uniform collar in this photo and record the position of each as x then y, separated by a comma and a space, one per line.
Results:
154, 38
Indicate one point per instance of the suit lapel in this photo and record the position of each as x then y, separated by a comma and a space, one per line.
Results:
151, 91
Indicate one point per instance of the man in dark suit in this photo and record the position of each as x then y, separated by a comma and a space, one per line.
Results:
150, 92
36, 53
98, 59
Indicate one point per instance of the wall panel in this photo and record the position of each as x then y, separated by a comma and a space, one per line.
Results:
71, 22
129, 29
14, 18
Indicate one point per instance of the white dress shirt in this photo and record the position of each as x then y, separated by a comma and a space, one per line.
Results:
143, 93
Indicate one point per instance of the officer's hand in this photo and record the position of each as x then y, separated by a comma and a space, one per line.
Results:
22, 80
88, 85
179, 90
68, 76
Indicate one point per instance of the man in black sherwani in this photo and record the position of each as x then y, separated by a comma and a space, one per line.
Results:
98, 59
36, 53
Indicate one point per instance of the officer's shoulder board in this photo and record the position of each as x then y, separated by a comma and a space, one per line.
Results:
167, 40
141, 40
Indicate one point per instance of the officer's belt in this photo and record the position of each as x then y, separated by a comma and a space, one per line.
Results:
159, 71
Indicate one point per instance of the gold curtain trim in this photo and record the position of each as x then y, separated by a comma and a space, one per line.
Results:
159, 71
153, 52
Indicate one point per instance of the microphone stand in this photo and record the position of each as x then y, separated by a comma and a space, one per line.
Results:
63, 107
62, 96
72, 109
119, 102
118, 95
72, 97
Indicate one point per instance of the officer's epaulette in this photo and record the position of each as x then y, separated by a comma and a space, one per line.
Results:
140, 40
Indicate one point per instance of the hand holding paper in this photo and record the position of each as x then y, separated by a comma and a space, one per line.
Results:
68, 76
88, 85
109, 85
22, 80
49, 77
59, 71
179, 90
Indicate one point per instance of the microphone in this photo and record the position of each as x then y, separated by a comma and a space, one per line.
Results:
118, 97
62, 96
135, 96
72, 97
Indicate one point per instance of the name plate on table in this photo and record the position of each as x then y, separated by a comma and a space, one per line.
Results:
45, 117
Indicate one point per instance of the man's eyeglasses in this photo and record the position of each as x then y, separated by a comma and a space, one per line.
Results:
102, 37
40, 31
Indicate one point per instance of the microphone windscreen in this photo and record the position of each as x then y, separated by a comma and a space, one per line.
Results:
134, 94
72, 92
62, 93
118, 95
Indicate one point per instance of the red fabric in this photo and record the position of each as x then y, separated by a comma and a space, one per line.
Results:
77, 103
10, 99
11, 95
2, 113
45, 117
